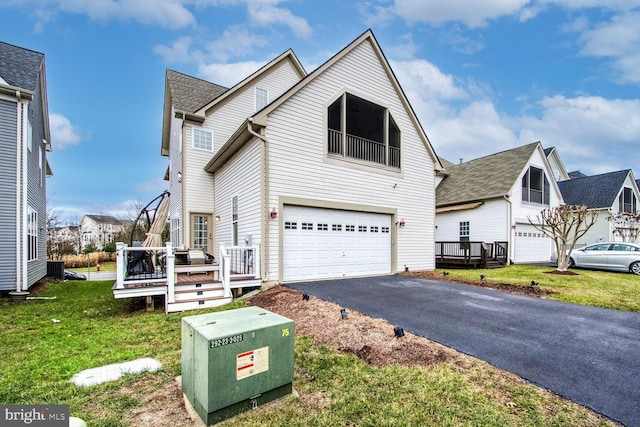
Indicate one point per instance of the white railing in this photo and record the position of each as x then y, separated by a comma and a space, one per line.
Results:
142, 265
363, 149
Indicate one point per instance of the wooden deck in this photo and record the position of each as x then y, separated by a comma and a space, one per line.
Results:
472, 254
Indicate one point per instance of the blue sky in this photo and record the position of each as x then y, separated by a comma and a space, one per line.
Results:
482, 76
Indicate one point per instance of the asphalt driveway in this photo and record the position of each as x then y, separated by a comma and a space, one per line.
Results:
588, 355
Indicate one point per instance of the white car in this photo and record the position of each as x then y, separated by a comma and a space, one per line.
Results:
614, 256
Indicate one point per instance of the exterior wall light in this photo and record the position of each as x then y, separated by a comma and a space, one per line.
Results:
273, 214
217, 218
401, 223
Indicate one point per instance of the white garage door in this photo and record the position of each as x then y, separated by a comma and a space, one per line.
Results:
327, 243
531, 245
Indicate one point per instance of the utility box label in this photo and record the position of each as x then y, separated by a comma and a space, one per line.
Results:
252, 362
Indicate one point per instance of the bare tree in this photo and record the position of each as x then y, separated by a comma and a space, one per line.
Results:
54, 220
564, 224
626, 225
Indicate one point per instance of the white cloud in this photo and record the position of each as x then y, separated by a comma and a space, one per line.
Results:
437, 12
64, 134
617, 40
592, 134
228, 74
165, 13
178, 52
265, 14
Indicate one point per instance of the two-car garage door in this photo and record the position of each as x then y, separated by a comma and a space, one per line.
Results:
323, 243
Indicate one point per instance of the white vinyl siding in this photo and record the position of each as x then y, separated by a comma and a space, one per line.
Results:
487, 223
239, 178
298, 165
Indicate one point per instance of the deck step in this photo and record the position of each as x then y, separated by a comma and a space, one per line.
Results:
198, 303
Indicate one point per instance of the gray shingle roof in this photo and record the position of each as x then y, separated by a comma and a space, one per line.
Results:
189, 94
576, 174
483, 178
19, 66
596, 192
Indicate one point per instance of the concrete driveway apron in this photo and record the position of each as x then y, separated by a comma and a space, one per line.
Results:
588, 355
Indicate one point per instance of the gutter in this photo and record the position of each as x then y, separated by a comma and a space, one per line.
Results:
264, 188
509, 227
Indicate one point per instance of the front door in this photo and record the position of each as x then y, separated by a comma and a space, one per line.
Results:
201, 232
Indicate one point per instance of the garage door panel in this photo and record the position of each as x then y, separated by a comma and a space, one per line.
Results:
531, 245
326, 243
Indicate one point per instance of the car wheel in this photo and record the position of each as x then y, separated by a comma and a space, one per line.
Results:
635, 268
571, 263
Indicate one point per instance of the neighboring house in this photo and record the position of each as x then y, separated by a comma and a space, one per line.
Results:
491, 199
99, 230
606, 194
558, 170
24, 143
330, 172
67, 236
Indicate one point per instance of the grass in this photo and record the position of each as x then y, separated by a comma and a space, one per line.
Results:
104, 266
39, 356
617, 291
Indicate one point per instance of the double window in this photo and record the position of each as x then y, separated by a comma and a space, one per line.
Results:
360, 129
535, 186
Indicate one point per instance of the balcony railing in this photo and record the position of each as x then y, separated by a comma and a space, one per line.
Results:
364, 149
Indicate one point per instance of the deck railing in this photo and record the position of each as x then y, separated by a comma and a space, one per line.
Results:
144, 266
471, 253
364, 149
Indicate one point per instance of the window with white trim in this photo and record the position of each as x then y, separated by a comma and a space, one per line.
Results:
261, 98
202, 139
627, 201
464, 231
234, 221
32, 234
29, 136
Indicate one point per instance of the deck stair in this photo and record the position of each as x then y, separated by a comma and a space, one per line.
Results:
197, 286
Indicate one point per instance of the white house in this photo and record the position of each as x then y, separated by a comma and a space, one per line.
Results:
491, 199
99, 230
606, 194
330, 173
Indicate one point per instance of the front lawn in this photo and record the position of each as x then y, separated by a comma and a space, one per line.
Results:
45, 342
617, 291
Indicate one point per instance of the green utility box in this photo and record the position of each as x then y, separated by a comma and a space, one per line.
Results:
235, 360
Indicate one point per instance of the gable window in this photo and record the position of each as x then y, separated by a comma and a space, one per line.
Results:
32, 234
360, 129
535, 186
202, 139
261, 98
627, 201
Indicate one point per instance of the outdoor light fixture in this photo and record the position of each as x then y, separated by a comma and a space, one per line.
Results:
401, 222
273, 214
217, 218
179, 177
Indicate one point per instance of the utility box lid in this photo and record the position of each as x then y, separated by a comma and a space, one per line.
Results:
236, 360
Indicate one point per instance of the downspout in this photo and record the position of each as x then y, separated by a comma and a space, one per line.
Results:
18, 186
509, 227
25, 189
264, 184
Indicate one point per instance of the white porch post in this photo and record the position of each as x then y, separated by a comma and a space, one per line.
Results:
171, 277
225, 270
120, 263
256, 261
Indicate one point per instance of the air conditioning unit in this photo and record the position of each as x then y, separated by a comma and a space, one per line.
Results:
235, 360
